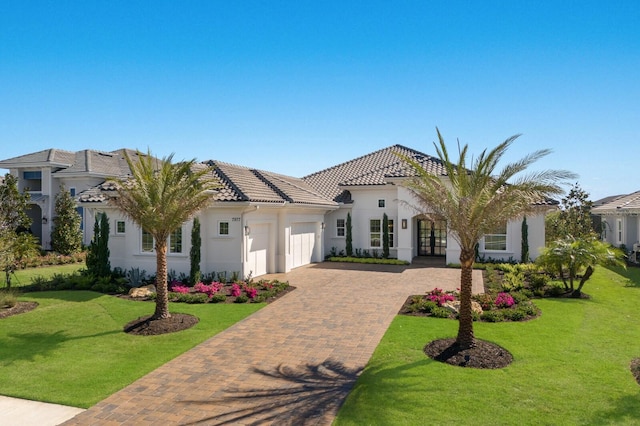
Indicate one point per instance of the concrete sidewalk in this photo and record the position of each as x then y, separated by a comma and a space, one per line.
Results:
22, 412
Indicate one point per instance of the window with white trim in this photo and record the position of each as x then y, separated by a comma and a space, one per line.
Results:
381, 203
120, 227
147, 242
619, 230
375, 233
223, 228
174, 242
496, 240
340, 228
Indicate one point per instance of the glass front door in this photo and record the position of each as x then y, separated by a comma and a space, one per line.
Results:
432, 237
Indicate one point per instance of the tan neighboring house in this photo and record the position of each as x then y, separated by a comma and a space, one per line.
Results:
261, 222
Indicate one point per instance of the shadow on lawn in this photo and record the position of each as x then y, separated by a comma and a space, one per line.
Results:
298, 395
65, 295
625, 411
28, 346
310, 394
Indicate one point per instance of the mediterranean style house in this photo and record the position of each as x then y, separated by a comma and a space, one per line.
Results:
620, 220
261, 222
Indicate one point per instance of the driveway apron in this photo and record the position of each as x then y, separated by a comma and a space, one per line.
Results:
292, 362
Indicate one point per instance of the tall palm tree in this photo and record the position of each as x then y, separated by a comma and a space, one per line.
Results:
477, 200
159, 197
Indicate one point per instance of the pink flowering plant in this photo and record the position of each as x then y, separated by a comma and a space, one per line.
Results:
235, 290
439, 296
177, 287
504, 300
252, 292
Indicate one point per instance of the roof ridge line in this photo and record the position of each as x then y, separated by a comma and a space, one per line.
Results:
307, 190
257, 173
226, 178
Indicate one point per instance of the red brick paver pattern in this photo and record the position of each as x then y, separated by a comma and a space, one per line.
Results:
293, 362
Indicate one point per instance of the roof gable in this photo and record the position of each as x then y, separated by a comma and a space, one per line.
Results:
620, 205
371, 169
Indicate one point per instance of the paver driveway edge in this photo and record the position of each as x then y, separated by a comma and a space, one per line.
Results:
292, 362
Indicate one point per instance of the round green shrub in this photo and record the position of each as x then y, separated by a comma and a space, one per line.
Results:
492, 316
439, 312
218, 298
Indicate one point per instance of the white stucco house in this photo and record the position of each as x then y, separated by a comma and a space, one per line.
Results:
620, 220
261, 222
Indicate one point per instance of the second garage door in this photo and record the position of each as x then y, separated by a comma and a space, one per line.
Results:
303, 241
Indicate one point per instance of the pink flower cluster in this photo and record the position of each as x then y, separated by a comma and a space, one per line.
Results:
209, 290
439, 296
235, 290
504, 300
177, 287
251, 292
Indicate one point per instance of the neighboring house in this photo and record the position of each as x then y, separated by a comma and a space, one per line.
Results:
261, 222
619, 219
43, 173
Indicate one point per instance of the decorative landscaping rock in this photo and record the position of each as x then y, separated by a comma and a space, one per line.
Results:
454, 306
145, 291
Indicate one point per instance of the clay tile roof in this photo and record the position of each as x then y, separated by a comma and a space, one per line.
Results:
371, 169
52, 156
619, 205
245, 184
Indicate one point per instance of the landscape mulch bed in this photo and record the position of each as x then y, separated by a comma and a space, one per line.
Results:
146, 326
483, 355
19, 308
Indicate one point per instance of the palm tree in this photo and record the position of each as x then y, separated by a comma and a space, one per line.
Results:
569, 257
159, 197
475, 201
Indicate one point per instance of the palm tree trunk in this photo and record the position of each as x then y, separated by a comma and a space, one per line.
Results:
585, 277
465, 338
162, 296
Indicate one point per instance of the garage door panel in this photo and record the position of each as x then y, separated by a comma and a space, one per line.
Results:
303, 239
258, 249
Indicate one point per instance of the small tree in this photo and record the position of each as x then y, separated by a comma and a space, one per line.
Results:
385, 236
98, 263
574, 217
349, 241
66, 236
572, 258
16, 242
194, 253
524, 258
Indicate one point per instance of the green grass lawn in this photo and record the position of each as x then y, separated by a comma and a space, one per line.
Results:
72, 350
23, 277
571, 367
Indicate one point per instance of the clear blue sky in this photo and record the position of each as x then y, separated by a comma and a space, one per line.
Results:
295, 87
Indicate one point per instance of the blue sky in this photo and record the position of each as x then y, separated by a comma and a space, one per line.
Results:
295, 87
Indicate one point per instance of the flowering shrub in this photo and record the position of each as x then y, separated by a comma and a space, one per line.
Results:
251, 292
177, 287
235, 290
209, 290
504, 300
439, 296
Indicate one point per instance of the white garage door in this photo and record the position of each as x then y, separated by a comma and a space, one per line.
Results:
258, 249
303, 240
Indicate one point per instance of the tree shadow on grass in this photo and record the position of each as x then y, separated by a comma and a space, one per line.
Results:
309, 394
624, 411
65, 295
28, 346
299, 395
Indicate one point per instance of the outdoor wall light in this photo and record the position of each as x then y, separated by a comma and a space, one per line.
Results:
247, 230
404, 223
323, 225
44, 220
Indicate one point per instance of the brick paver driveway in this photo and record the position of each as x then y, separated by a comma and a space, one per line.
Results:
292, 362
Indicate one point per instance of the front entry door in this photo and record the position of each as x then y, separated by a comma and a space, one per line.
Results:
432, 237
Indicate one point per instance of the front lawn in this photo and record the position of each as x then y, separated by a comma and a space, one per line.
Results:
72, 350
23, 277
571, 366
